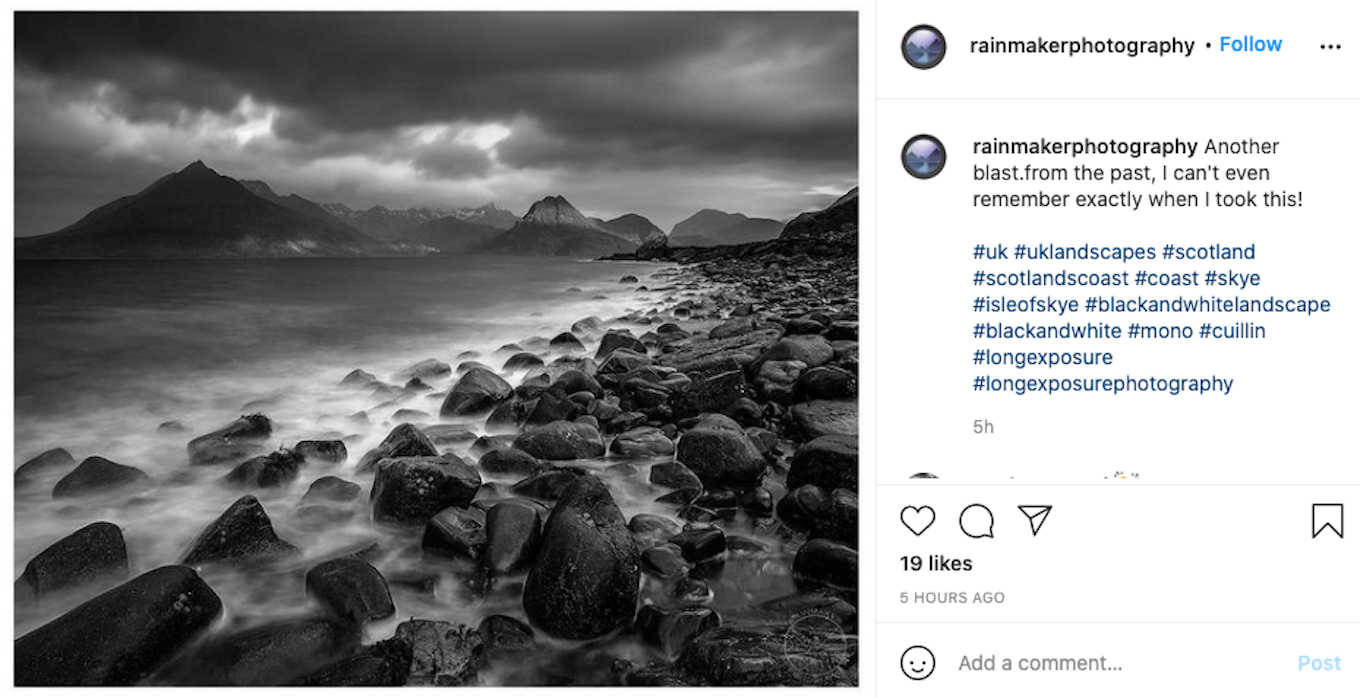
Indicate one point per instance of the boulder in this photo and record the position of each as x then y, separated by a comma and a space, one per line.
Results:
274, 470
513, 530
121, 636
575, 381
698, 544
358, 378
456, 532
665, 561
509, 461
561, 440
801, 508
477, 392
48, 461
405, 441
443, 654
240, 439
383, 664
449, 434
332, 451
410, 491
826, 383
551, 407
351, 590
642, 442
717, 392
331, 489
812, 653
242, 533
567, 342
522, 361
811, 349
670, 629
425, 370
839, 520
624, 361
279, 653
97, 475
720, 452
619, 339
776, 380
584, 582
822, 563
829, 462
826, 417
676, 476
95, 553
545, 486
503, 636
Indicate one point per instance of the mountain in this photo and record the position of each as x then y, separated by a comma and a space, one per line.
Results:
451, 234
292, 201
841, 215
389, 224
197, 212
631, 226
554, 228
709, 228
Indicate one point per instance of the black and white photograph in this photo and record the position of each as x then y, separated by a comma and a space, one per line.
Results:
436, 348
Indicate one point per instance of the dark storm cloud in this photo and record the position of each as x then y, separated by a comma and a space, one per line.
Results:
682, 92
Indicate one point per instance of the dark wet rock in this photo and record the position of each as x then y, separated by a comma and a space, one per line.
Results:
710, 357
532, 386
642, 442
720, 452
522, 361
477, 392
802, 507
588, 325
825, 563
95, 553
417, 385
240, 439
331, 489
766, 441
575, 381
803, 604
701, 543
561, 441
830, 462
405, 441
548, 485
443, 654
483, 444
839, 520
509, 461
332, 451
746, 412
456, 532
776, 380
274, 470
625, 421
552, 407
757, 502
826, 417
503, 636
584, 582
466, 366
383, 664
671, 629
653, 528
352, 591
826, 383
428, 369
97, 475
842, 330
628, 279
665, 561
803, 325
675, 475
718, 392
46, 462
726, 656
812, 350
274, 654
624, 361
513, 531
619, 339
449, 434
412, 490
508, 415
358, 378
568, 342
140, 625
242, 533
733, 327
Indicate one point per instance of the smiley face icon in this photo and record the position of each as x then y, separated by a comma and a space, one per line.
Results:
918, 663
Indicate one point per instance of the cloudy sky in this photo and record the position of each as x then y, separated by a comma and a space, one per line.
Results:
659, 114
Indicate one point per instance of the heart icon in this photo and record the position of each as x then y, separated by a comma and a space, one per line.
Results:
918, 519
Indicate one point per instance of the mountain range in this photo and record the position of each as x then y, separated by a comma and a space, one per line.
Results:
197, 212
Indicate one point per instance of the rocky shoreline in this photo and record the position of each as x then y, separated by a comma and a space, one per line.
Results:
734, 413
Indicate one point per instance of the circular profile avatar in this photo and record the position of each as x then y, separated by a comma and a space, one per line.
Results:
918, 663
923, 47
923, 156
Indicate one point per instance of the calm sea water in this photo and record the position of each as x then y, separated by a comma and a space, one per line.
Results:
108, 350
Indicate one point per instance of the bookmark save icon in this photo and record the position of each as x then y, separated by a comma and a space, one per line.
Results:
1037, 515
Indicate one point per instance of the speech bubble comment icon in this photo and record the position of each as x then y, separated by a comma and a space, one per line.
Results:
918, 519
976, 521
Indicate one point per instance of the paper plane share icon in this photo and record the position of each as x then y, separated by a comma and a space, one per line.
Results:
1037, 515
